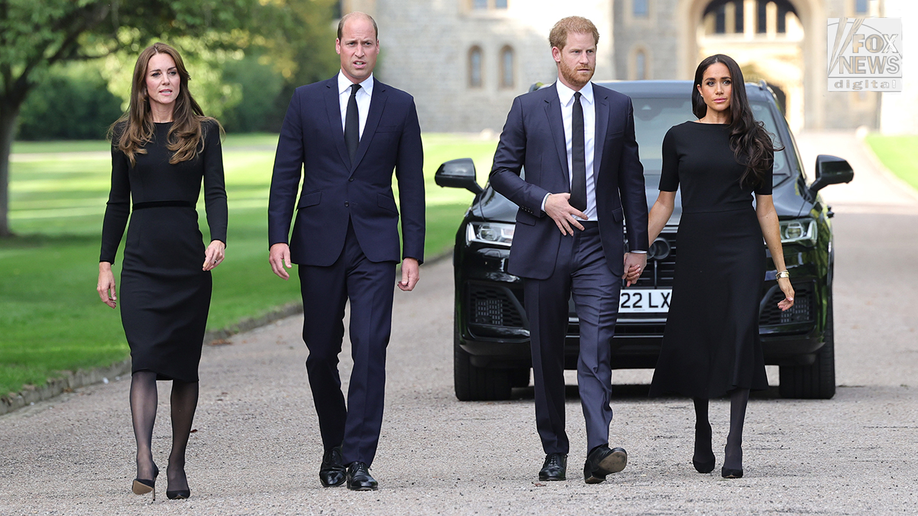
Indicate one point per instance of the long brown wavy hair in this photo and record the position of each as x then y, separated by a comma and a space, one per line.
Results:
751, 144
134, 129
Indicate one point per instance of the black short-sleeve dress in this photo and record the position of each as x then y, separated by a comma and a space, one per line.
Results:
711, 343
164, 293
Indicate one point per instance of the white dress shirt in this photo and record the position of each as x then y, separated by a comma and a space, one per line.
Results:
587, 102
364, 94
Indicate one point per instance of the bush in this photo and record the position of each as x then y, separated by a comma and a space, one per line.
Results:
72, 103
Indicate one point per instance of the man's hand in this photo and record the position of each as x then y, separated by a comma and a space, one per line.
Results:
634, 266
411, 273
557, 207
279, 257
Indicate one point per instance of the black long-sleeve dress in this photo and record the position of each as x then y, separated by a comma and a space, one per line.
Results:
164, 294
711, 343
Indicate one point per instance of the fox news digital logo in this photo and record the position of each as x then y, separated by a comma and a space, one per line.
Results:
864, 54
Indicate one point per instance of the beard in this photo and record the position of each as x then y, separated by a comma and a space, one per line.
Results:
574, 77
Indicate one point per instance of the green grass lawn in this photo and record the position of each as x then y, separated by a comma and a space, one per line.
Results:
896, 154
51, 318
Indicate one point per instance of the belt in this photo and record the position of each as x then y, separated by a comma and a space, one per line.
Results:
162, 204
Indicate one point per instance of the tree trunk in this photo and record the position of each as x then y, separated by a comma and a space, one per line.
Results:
9, 113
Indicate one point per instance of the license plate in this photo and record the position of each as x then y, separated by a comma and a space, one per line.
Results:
644, 300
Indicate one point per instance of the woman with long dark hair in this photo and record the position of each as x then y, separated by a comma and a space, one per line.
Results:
711, 344
163, 147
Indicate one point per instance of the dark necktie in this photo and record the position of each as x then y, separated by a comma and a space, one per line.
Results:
578, 157
352, 123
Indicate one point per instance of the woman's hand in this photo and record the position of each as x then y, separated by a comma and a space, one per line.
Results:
214, 255
785, 285
106, 285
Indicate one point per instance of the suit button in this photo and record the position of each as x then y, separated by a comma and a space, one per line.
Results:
351, 179
347, 203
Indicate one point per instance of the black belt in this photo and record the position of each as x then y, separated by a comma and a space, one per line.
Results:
162, 204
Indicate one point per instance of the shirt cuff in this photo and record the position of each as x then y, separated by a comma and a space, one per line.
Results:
638, 252
545, 199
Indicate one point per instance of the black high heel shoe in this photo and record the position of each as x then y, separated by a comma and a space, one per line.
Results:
180, 494
143, 486
706, 466
731, 473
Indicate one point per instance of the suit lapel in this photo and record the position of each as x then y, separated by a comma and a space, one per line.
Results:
333, 108
556, 125
377, 104
601, 101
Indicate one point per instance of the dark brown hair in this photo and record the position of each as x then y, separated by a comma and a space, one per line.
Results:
134, 129
751, 143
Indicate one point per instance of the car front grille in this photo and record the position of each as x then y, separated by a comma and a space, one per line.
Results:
803, 310
493, 307
660, 271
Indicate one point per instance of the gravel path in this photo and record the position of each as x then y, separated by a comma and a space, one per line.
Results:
256, 448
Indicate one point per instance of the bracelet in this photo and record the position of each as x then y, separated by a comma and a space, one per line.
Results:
782, 274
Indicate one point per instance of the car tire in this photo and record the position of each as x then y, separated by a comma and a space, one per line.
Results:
473, 383
817, 380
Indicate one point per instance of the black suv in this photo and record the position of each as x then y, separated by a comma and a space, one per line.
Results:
491, 342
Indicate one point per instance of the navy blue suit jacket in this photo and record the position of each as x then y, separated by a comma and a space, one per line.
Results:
311, 146
533, 137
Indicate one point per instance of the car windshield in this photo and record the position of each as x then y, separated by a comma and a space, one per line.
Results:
654, 116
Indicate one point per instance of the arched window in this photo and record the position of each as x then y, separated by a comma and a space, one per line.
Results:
640, 8
861, 6
640, 65
506, 67
475, 67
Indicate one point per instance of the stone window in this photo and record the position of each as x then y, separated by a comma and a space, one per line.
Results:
640, 65
475, 66
861, 6
640, 8
488, 5
506, 67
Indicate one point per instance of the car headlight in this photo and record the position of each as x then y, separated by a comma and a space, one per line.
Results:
494, 233
802, 231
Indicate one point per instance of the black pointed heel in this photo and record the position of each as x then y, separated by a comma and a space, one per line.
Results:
181, 494
731, 473
142, 486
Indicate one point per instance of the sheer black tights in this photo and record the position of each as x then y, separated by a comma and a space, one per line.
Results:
733, 452
144, 399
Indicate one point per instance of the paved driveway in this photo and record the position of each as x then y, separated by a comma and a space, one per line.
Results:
256, 448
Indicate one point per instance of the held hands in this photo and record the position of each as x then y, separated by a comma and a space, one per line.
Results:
279, 257
559, 209
634, 266
214, 255
785, 285
411, 273
106, 286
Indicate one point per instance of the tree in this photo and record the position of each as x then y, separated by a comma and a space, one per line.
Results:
35, 35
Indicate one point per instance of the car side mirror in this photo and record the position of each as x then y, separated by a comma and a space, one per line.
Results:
831, 170
458, 173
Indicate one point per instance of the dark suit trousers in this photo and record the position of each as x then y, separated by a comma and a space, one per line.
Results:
581, 272
369, 286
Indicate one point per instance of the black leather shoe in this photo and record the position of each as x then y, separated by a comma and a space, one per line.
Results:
359, 479
602, 461
554, 467
332, 473
179, 494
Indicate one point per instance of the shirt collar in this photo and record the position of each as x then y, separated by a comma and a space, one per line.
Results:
566, 95
344, 84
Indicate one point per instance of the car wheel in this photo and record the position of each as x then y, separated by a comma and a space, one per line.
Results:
478, 383
817, 380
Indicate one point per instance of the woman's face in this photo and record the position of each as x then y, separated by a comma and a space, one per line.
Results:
162, 80
716, 87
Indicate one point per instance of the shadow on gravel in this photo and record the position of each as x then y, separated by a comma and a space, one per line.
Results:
620, 392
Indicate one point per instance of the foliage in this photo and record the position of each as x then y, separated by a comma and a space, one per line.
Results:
71, 104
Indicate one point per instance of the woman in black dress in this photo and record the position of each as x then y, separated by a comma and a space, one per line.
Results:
162, 148
711, 345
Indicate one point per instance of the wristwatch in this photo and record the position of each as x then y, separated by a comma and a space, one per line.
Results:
782, 274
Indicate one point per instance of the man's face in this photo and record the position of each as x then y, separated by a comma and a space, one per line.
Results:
577, 61
358, 48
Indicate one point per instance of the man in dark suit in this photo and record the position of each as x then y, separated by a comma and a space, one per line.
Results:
344, 136
583, 177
